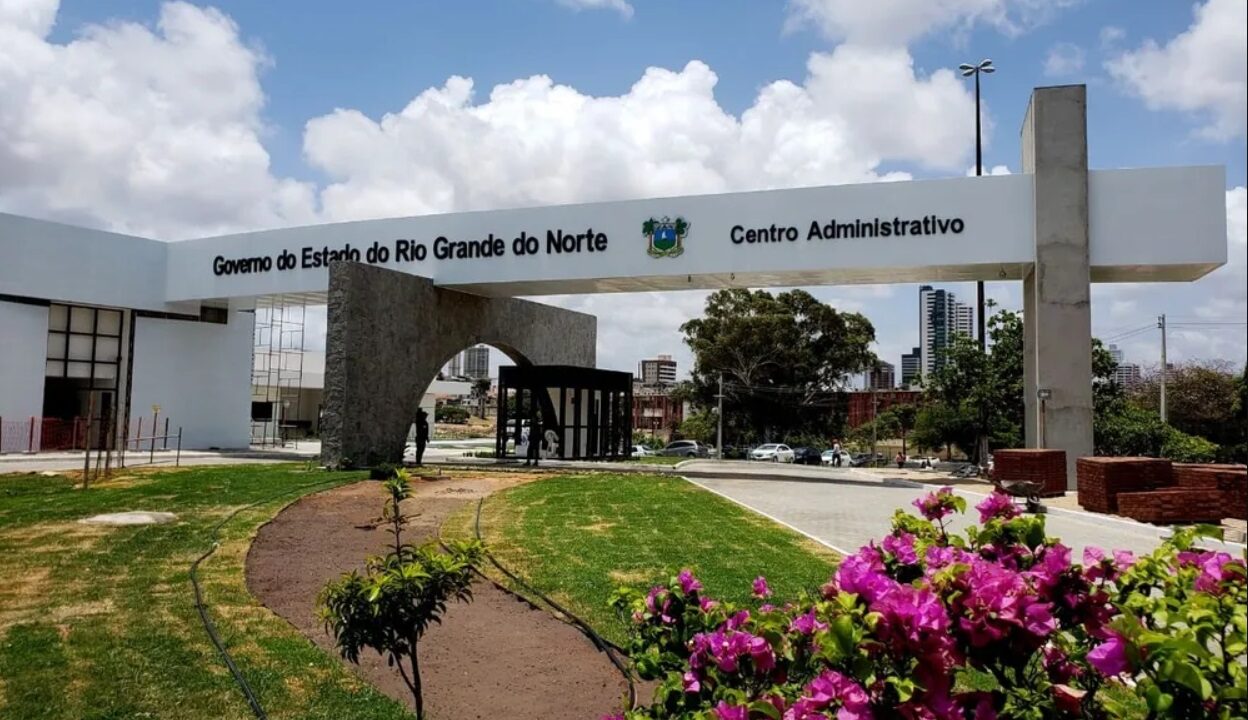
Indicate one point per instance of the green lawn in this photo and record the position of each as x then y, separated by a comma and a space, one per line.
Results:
100, 623
578, 537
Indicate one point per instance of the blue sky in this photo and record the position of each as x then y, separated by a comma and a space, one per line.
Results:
285, 64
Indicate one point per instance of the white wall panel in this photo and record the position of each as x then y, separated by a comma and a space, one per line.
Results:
23, 348
199, 374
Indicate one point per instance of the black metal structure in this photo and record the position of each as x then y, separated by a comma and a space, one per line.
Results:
579, 413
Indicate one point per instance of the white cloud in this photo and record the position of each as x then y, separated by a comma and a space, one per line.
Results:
620, 6
1064, 59
994, 170
533, 141
156, 132
1110, 36
895, 23
1203, 70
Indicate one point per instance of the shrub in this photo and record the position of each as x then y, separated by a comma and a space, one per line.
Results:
1181, 447
998, 622
382, 471
451, 414
389, 607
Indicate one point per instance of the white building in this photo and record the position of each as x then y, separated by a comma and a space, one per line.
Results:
111, 323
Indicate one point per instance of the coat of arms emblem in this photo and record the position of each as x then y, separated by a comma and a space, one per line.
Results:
665, 236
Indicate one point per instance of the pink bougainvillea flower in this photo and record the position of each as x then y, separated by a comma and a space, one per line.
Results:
761, 653
691, 683
738, 619
863, 574
936, 505
901, 547
1069, 699
760, 587
1213, 572
706, 604
658, 602
997, 506
832, 688
688, 583
1058, 666
724, 711
807, 623
1110, 657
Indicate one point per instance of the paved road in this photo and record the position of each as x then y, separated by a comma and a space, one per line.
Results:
847, 516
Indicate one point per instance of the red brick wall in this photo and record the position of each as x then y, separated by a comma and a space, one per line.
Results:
1101, 479
1173, 505
1230, 480
1046, 468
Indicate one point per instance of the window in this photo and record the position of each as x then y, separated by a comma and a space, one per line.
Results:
84, 343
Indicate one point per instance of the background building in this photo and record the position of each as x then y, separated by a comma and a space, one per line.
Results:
1125, 374
655, 411
657, 371
911, 367
477, 362
883, 377
455, 367
864, 405
941, 319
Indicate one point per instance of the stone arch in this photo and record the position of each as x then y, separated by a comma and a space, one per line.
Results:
388, 335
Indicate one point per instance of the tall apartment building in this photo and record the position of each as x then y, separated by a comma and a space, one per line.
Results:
1125, 374
883, 377
455, 367
941, 319
657, 371
477, 362
911, 367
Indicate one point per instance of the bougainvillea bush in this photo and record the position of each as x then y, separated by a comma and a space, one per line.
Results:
997, 622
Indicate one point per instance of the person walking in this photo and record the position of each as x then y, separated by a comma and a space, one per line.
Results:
534, 452
422, 435
836, 453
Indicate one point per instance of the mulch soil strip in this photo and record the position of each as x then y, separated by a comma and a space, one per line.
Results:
495, 657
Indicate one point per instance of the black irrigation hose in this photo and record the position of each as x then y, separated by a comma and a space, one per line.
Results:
612, 650
209, 626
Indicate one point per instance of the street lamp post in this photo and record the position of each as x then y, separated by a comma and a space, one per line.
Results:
985, 66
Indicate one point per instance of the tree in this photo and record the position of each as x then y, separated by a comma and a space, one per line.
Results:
480, 393
784, 358
902, 419
1200, 400
701, 426
982, 392
390, 606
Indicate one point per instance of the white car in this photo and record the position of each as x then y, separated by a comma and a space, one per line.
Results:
774, 452
642, 451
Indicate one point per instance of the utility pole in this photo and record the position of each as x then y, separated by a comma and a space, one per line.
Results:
967, 70
874, 406
1165, 370
719, 420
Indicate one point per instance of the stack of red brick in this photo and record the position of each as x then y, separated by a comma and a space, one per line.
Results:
1046, 468
1158, 491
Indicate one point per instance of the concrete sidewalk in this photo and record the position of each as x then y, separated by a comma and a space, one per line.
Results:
848, 515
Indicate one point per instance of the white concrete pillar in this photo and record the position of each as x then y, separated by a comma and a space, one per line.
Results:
1057, 346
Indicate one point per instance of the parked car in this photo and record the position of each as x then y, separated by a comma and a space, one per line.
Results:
866, 459
735, 452
806, 456
642, 451
775, 452
685, 448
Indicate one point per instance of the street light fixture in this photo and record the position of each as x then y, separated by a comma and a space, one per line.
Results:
985, 66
